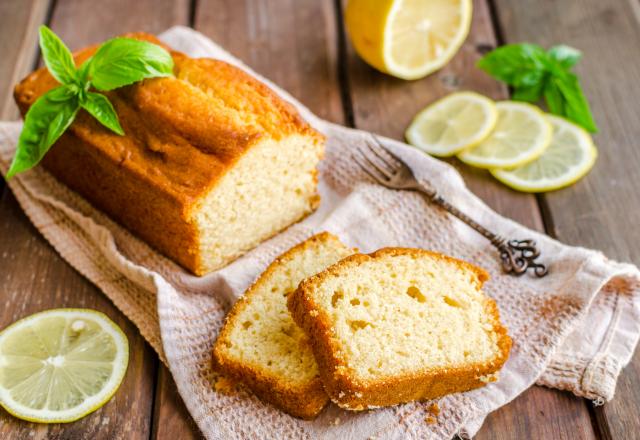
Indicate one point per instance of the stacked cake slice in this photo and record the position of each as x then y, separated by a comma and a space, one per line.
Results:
367, 330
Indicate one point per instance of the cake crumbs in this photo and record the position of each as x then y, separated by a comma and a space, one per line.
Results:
336, 421
225, 386
434, 409
431, 420
314, 312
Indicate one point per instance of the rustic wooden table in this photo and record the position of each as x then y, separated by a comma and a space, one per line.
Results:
302, 47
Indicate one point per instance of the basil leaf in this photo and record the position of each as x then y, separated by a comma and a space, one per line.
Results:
565, 56
100, 108
576, 106
553, 97
529, 93
123, 61
44, 123
515, 64
57, 56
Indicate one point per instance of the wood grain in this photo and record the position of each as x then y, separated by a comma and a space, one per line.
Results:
35, 278
601, 211
386, 105
171, 419
18, 46
291, 42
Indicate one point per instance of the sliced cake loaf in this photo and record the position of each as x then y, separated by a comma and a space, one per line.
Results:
262, 347
212, 162
400, 325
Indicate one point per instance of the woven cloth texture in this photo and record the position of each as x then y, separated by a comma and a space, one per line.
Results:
572, 330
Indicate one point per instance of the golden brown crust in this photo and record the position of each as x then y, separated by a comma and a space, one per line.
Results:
304, 402
351, 393
183, 134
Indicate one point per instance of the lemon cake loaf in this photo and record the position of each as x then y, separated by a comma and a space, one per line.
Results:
212, 163
262, 347
400, 325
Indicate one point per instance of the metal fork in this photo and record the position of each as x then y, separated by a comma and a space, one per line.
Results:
517, 255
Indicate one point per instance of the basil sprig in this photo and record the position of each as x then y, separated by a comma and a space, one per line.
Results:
534, 73
118, 62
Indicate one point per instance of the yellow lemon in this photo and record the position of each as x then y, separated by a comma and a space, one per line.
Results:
453, 123
569, 157
60, 365
408, 38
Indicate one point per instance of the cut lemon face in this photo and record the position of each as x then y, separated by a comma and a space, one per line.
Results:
521, 135
455, 122
408, 38
569, 157
60, 365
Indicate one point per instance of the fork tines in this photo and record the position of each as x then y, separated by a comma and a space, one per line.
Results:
376, 161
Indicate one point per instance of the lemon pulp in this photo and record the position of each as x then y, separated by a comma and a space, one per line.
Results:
569, 157
453, 123
59, 365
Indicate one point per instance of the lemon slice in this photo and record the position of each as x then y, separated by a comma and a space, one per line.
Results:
521, 135
455, 122
60, 365
569, 157
408, 38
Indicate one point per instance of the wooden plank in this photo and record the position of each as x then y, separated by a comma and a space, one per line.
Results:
34, 277
602, 210
18, 45
291, 42
171, 420
18, 37
302, 59
386, 105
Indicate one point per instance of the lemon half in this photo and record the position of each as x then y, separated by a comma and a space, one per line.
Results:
569, 157
453, 123
408, 38
521, 135
60, 365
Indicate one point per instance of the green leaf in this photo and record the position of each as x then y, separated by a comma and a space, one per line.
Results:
100, 108
123, 61
529, 93
576, 106
44, 123
516, 64
57, 56
553, 97
565, 56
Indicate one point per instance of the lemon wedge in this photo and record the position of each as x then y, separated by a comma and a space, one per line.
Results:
569, 157
453, 123
521, 135
408, 38
60, 365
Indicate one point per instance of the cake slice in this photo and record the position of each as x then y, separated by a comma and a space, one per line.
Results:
262, 347
400, 325
212, 162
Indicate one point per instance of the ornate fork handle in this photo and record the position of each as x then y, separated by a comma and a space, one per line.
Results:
517, 255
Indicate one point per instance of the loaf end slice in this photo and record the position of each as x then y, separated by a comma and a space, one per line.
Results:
400, 325
262, 347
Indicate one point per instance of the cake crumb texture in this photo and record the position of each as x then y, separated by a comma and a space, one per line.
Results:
260, 344
400, 325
